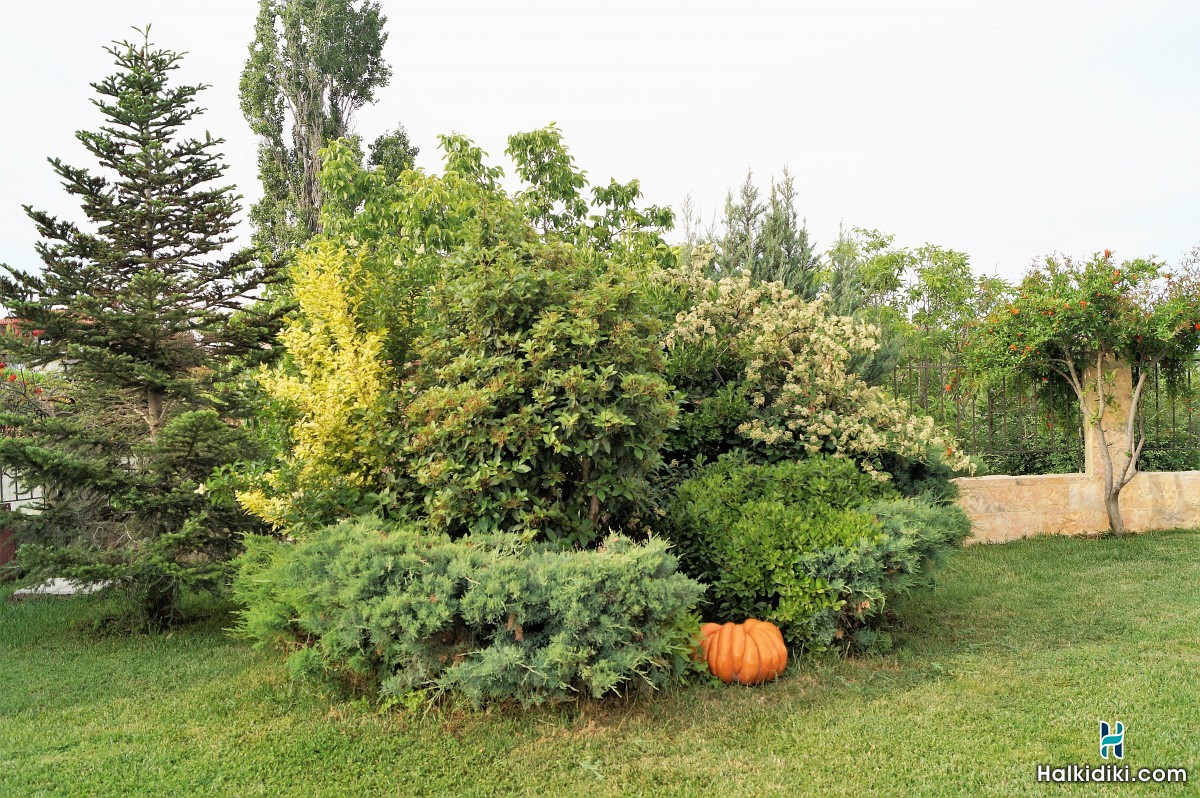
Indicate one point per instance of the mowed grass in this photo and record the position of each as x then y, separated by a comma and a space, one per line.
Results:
1013, 661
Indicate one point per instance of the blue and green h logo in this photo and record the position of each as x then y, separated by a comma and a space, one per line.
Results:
1111, 740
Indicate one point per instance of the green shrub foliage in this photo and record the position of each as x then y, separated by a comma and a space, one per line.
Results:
816, 546
529, 302
538, 404
712, 500
762, 371
923, 531
791, 568
911, 477
397, 610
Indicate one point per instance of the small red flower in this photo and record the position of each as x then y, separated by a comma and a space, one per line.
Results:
12, 377
37, 390
38, 332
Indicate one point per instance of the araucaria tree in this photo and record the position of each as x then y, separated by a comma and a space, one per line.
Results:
1089, 323
135, 312
312, 64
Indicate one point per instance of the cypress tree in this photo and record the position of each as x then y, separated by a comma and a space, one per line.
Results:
782, 251
131, 320
768, 240
743, 223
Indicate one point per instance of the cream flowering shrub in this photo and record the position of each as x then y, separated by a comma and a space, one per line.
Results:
791, 361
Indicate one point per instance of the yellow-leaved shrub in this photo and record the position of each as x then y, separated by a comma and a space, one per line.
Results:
330, 388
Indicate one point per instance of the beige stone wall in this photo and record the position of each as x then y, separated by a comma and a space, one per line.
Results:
1005, 508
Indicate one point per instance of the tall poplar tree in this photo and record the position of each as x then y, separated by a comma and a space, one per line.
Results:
312, 65
134, 312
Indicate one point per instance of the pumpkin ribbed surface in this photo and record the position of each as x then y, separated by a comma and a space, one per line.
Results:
747, 653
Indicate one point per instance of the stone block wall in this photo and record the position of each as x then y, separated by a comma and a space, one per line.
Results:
1003, 508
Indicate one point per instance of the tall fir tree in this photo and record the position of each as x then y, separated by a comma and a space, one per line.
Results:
312, 65
134, 316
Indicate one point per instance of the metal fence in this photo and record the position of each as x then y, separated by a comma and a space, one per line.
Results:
14, 495
1034, 426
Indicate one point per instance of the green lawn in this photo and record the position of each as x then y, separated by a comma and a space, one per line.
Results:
1013, 661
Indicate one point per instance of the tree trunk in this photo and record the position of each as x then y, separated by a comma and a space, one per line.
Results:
1110, 407
594, 503
1112, 505
154, 413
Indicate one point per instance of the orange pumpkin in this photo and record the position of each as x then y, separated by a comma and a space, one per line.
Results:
747, 653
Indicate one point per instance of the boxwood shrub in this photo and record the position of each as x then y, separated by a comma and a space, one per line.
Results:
397, 610
815, 546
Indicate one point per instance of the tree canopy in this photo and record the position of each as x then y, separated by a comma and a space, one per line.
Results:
312, 65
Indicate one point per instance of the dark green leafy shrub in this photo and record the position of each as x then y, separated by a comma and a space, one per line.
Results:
396, 610
714, 404
539, 404
766, 567
1171, 450
930, 478
816, 546
711, 501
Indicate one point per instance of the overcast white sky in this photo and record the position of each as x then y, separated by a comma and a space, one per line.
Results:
1006, 129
